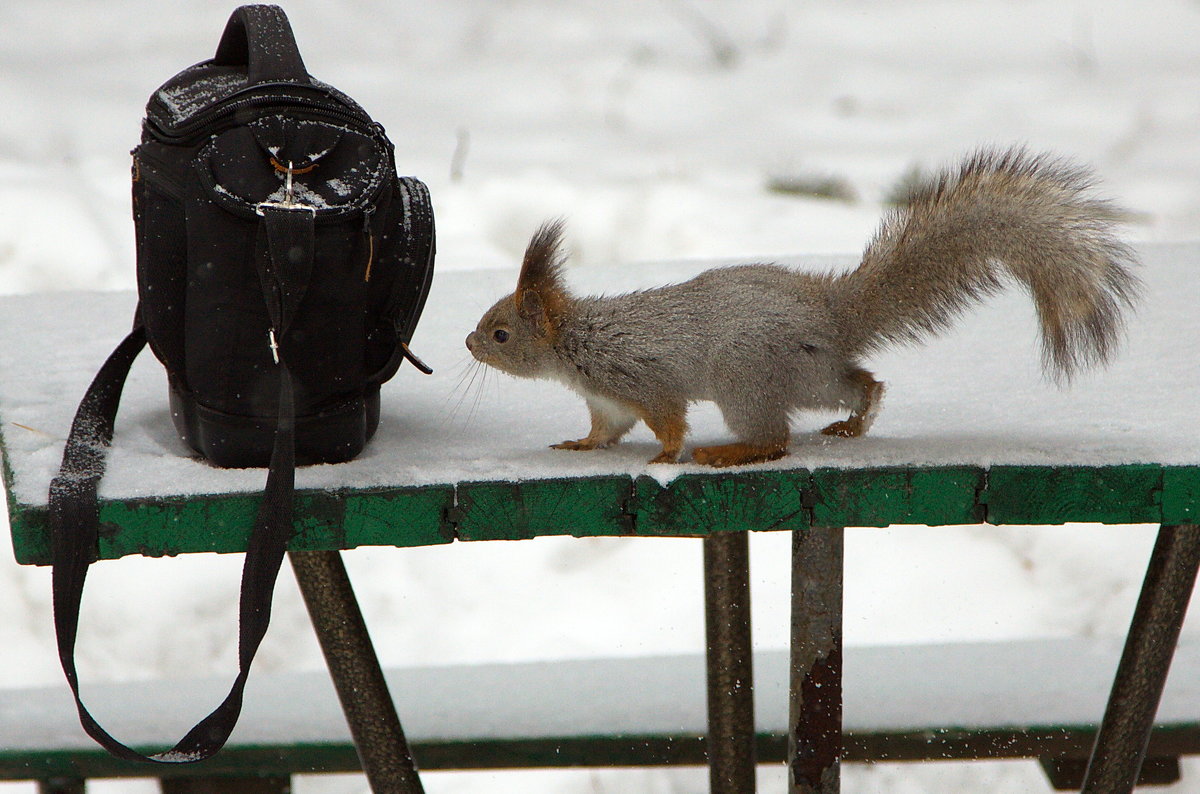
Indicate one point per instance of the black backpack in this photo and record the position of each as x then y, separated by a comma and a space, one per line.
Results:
282, 266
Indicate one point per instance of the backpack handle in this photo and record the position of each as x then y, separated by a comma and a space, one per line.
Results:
259, 37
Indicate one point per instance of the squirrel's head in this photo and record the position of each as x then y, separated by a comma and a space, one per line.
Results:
517, 335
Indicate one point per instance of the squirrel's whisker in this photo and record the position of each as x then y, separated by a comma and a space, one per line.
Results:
462, 389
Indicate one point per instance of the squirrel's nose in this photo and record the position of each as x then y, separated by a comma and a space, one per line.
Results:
471, 341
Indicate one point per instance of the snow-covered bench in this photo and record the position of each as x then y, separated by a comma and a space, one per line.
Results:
970, 432
969, 435
1035, 699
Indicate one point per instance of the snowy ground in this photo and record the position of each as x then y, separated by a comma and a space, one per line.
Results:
656, 128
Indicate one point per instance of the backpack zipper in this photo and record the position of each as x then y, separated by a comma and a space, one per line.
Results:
232, 106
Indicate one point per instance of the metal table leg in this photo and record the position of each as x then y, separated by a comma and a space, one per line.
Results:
731, 751
1121, 743
370, 712
815, 715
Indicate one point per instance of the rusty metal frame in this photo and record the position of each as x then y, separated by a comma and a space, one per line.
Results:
1145, 662
815, 707
354, 668
731, 751
815, 713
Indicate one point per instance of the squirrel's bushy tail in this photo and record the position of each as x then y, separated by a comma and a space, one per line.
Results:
1000, 214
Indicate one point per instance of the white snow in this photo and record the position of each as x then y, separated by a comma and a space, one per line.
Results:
964, 399
339, 187
184, 102
299, 194
966, 686
654, 128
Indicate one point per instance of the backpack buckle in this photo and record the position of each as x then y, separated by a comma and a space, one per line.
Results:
289, 196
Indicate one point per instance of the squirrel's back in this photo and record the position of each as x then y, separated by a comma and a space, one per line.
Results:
681, 338
999, 216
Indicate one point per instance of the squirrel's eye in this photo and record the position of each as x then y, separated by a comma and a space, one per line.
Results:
500, 335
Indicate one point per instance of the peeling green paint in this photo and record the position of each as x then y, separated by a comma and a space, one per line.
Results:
692, 505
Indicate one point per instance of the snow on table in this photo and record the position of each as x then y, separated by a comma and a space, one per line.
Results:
974, 398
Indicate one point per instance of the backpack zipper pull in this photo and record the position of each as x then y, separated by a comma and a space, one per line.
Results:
368, 213
289, 195
289, 191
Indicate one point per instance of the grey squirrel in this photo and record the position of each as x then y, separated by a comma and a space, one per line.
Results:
764, 341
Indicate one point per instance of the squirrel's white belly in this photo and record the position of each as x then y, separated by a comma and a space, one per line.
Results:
615, 411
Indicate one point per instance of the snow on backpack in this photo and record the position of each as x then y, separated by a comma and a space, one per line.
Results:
282, 266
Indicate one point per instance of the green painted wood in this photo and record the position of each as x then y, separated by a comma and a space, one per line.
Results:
692, 505
166, 527
1181, 495
695, 505
378, 517
584, 507
27, 540
1071, 741
1058, 495
232, 761
183, 525
881, 497
303, 758
30, 539
208, 784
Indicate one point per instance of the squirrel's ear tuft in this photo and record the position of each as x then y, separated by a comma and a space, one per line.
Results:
542, 268
540, 295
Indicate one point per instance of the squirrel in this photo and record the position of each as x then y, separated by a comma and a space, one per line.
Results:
764, 341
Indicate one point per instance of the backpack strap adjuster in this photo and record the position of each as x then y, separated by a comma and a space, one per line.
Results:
282, 205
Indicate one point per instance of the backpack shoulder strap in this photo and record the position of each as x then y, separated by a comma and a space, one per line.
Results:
74, 520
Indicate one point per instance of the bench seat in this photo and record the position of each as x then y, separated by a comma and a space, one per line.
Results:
1038, 699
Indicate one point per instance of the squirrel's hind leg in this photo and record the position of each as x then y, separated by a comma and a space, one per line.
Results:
669, 426
762, 426
609, 423
870, 395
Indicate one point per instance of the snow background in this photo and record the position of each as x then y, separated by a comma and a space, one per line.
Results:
656, 128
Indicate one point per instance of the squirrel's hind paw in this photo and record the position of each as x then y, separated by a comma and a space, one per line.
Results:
738, 454
846, 428
861, 418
